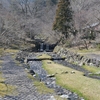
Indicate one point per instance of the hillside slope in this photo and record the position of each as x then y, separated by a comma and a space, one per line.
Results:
22, 19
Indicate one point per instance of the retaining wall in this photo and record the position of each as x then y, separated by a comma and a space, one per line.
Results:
76, 58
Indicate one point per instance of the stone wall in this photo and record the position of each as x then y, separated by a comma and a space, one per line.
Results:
76, 58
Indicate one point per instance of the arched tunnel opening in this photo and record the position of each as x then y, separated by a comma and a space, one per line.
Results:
41, 47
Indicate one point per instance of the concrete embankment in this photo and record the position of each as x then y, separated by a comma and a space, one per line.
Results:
78, 59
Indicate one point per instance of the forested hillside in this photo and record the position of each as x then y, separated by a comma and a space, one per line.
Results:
22, 19
29, 19
86, 12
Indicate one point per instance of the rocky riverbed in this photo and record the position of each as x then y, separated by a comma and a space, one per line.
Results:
49, 81
16, 76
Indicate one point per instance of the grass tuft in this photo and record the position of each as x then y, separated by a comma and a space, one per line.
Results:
92, 69
1, 51
5, 89
41, 87
11, 50
44, 56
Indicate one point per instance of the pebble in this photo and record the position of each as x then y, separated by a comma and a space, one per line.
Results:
52, 98
64, 96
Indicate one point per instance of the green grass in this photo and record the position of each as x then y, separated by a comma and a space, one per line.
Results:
98, 46
11, 50
1, 51
59, 98
44, 56
85, 51
84, 86
92, 69
1, 78
5, 89
41, 87
1, 61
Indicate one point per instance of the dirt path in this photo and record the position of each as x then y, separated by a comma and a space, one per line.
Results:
16, 75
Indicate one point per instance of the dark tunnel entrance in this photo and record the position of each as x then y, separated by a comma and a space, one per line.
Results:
41, 47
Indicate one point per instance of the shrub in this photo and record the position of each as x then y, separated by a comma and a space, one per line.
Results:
98, 46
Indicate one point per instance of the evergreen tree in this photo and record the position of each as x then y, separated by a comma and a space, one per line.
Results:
63, 17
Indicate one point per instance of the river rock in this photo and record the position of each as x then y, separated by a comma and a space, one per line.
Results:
64, 96
32, 72
52, 98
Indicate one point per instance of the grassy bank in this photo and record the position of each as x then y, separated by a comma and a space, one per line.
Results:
1, 51
92, 69
87, 87
5, 89
44, 56
41, 87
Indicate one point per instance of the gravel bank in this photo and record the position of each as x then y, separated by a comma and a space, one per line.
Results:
16, 75
36, 66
